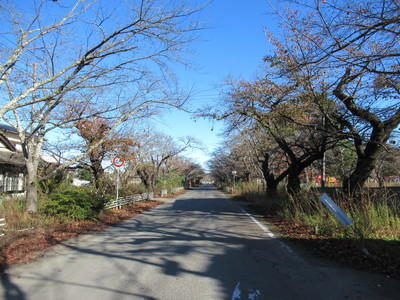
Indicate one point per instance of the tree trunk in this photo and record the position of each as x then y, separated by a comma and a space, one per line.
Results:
366, 153
146, 178
353, 184
272, 189
272, 183
31, 189
97, 169
98, 173
247, 176
366, 162
293, 183
32, 157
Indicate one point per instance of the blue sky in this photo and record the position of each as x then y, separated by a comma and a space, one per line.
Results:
234, 45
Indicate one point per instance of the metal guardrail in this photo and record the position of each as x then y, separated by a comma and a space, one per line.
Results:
117, 203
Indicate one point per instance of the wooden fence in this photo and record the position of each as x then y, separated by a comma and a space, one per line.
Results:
127, 200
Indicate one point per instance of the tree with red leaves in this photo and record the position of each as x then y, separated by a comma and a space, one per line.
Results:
116, 54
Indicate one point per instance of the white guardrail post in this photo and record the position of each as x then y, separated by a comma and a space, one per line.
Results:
2, 224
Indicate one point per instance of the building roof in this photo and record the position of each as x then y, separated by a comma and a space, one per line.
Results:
7, 143
11, 161
8, 128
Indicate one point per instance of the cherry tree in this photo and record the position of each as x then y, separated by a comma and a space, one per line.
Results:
353, 47
116, 56
154, 152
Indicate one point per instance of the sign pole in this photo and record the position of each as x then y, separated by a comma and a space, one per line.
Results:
342, 217
118, 162
117, 188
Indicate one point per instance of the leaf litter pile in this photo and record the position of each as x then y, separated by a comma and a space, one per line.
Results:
23, 247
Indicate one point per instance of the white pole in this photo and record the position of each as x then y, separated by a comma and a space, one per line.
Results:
119, 207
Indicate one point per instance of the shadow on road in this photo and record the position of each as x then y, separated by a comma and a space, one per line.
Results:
203, 246
11, 291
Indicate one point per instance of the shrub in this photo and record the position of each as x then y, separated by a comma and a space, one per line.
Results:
170, 182
85, 175
71, 202
50, 185
131, 189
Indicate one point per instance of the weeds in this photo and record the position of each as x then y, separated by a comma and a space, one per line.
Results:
377, 216
20, 224
18, 220
256, 193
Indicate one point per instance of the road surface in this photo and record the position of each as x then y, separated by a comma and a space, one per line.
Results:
199, 246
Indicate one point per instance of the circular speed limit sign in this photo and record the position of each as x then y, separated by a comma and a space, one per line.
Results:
118, 161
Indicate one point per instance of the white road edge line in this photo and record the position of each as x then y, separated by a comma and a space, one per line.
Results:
265, 229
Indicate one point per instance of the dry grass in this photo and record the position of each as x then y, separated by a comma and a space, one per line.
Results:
305, 221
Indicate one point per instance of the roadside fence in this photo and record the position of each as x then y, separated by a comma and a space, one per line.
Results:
117, 203
2, 224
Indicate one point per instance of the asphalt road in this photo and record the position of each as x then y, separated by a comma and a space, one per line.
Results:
199, 246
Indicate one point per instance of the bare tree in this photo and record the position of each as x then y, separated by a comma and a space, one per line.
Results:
289, 114
353, 46
193, 173
154, 151
114, 56
237, 154
221, 165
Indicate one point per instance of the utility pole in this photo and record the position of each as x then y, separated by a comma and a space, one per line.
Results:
323, 171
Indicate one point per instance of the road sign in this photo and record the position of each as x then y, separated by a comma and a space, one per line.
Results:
118, 161
343, 218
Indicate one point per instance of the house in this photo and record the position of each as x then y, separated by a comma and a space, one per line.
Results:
12, 163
